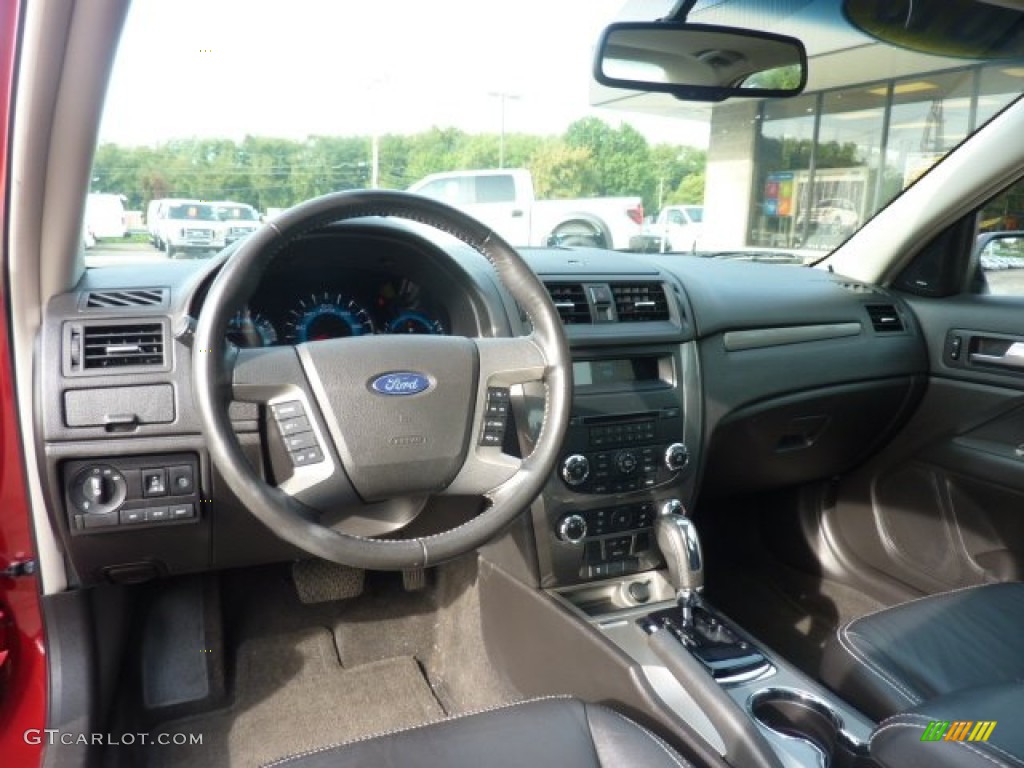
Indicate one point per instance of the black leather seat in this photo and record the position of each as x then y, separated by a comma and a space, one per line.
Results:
955, 659
992, 714
560, 731
903, 657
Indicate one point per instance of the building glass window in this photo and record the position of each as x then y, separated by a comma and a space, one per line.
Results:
1000, 84
783, 156
837, 198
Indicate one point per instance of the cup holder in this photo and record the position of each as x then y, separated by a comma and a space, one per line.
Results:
798, 715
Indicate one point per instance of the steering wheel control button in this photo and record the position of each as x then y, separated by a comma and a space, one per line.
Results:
288, 410
495, 417
300, 441
307, 456
293, 426
181, 480
575, 470
133, 516
182, 511
154, 482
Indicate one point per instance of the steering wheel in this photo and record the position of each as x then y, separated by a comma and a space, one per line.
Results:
395, 419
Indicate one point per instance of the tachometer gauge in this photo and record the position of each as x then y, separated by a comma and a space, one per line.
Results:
250, 329
327, 316
414, 322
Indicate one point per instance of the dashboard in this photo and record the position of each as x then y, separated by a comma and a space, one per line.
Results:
692, 377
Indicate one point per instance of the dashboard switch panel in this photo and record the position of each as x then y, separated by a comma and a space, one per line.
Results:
128, 492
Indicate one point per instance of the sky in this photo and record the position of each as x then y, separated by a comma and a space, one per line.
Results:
227, 68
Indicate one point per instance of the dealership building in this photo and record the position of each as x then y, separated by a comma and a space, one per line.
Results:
803, 172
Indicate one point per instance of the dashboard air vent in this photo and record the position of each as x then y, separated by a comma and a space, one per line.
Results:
885, 318
120, 346
571, 302
640, 302
132, 297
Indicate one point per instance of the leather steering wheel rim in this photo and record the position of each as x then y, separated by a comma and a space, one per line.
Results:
214, 370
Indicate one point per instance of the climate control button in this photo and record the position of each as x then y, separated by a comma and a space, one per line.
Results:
572, 529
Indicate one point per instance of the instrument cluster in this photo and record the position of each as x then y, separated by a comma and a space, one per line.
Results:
295, 311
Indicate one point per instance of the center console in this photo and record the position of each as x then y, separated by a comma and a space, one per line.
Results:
631, 445
803, 723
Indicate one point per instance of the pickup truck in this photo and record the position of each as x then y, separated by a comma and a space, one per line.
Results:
505, 201
676, 228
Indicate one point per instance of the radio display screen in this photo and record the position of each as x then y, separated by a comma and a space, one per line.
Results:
600, 373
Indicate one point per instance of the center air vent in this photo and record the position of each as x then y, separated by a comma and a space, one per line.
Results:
94, 347
571, 302
884, 318
132, 297
640, 302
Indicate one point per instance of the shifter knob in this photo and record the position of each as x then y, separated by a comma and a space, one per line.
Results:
680, 546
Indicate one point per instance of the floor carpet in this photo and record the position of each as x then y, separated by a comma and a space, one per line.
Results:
293, 694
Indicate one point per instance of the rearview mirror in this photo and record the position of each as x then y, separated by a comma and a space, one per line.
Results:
699, 62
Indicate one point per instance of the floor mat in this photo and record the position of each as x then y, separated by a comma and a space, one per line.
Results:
291, 695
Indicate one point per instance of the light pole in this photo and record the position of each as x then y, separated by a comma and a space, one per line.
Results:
503, 96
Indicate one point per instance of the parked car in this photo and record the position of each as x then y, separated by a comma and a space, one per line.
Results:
675, 228
105, 216
506, 201
239, 220
374, 487
190, 227
835, 214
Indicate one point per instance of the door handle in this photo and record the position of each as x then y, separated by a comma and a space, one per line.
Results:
517, 213
1013, 357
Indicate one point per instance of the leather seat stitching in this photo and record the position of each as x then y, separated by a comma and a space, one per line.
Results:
653, 737
918, 600
847, 642
395, 731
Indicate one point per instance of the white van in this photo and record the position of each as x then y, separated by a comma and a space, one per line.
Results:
155, 213
104, 215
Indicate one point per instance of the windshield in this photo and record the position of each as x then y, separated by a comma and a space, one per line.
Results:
237, 213
194, 212
268, 110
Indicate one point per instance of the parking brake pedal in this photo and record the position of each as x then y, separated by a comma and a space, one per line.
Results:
320, 581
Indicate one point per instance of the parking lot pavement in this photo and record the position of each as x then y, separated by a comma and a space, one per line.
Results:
107, 254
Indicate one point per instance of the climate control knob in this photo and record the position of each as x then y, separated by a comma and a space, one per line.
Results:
572, 529
575, 469
677, 456
626, 462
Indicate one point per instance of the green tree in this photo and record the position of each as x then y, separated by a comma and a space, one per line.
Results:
620, 158
690, 190
561, 171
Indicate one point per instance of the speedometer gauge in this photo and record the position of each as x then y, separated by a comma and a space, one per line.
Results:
250, 329
414, 322
327, 316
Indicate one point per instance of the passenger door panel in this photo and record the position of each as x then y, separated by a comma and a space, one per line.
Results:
942, 506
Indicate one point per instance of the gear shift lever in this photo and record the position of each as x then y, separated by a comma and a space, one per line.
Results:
680, 546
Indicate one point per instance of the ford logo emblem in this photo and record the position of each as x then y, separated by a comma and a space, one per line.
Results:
400, 383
